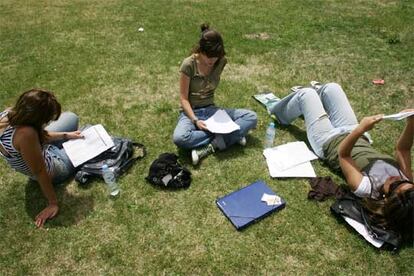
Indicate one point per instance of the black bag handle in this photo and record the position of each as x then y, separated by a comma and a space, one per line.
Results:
124, 167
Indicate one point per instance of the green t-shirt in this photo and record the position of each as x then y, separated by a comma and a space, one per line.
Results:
362, 153
201, 90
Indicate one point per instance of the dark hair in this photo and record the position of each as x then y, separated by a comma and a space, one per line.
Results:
210, 43
35, 108
395, 212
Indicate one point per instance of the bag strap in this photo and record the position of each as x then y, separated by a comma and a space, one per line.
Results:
131, 161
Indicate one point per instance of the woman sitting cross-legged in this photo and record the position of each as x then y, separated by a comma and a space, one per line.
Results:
200, 76
32, 144
385, 183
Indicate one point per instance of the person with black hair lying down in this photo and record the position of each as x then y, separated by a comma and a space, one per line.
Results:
384, 183
31, 136
199, 77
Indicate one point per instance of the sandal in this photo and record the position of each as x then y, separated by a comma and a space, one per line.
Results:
296, 88
316, 85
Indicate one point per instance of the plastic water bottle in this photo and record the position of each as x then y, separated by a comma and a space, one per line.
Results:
110, 180
270, 135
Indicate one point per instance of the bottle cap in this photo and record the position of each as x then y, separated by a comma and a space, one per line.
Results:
272, 124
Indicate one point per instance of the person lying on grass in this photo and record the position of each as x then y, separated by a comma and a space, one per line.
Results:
32, 144
384, 183
199, 77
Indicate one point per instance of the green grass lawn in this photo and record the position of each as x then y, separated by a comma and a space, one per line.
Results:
92, 56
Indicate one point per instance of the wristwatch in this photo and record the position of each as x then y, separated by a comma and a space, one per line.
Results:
195, 120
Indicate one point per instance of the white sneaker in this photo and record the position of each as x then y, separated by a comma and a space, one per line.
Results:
198, 154
243, 141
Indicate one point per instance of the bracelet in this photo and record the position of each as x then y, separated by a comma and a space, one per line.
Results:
195, 120
65, 136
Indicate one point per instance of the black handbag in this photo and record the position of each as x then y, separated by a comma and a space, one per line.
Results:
167, 172
350, 206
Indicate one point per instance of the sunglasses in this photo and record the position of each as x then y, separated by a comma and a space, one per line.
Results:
394, 185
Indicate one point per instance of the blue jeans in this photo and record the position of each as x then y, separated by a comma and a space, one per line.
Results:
327, 113
62, 167
187, 136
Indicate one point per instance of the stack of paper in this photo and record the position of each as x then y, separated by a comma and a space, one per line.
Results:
290, 160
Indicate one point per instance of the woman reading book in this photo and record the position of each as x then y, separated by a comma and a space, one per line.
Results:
31, 143
199, 77
384, 183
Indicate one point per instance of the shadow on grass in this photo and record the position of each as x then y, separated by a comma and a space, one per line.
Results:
72, 208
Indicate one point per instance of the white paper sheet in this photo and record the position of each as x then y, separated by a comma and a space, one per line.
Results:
221, 123
96, 140
302, 170
271, 199
398, 116
289, 155
360, 228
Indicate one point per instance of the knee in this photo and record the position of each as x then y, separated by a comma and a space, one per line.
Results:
70, 117
252, 118
332, 86
306, 93
181, 139
249, 119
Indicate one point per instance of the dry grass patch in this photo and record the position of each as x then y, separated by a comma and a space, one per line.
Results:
259, 36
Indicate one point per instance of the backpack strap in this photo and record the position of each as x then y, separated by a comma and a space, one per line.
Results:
124, 167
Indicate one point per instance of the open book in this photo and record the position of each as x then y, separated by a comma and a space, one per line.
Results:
96, 140
267, 99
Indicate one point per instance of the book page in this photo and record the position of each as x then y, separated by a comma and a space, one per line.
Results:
221, 122
398, 116
301, 170
96, 140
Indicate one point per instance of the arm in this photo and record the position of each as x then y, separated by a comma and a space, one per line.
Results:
404, 145
53, 136
26, 141
185, 103
349, 168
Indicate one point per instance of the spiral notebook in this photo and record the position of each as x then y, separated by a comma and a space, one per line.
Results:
245, 206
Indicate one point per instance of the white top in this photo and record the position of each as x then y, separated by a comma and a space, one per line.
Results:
378, 174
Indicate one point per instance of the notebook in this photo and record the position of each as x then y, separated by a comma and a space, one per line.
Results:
245, 206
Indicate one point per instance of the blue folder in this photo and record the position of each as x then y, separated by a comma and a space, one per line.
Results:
244, 207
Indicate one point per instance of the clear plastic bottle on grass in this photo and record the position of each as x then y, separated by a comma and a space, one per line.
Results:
270, 135
110, 180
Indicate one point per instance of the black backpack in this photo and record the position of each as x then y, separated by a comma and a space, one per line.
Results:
350, 206
119, 159
167, 172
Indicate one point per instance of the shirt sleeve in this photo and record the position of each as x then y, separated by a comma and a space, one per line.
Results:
187, 68
364, 188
